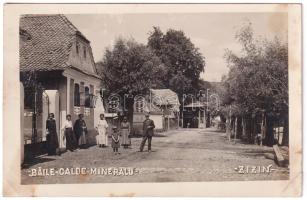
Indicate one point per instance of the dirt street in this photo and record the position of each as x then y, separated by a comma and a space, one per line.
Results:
180, 155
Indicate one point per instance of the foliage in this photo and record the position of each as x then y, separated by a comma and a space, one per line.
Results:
130, 68
258, 77
182, 59
32, 87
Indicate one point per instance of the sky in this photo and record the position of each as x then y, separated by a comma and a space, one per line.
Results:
212, 33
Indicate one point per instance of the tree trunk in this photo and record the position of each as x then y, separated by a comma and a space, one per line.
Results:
285, 137
254, 130
269, 135
228, 127
244, 127
239, 127
130, 109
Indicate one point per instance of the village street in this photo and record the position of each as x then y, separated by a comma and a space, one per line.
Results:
179, 155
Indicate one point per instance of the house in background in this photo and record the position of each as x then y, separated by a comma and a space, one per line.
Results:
163, 106
57, 58
194, 115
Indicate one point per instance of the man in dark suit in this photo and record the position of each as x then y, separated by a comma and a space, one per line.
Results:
148, 131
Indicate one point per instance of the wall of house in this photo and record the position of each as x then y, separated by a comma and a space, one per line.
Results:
78, 59
76, 110
138, 119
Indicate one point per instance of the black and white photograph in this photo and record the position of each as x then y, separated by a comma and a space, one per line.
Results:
154, 97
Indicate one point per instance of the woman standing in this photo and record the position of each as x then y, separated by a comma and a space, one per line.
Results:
52, 137
102, 138
82, 139
125, 131
69, 134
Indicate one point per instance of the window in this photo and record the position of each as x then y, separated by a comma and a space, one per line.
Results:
84, 52
87, 102
77, 95
77, 47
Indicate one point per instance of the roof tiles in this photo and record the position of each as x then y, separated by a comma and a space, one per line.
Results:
48, 42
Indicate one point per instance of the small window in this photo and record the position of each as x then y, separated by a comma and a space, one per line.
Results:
84, 52
87, 97
77, 48
77, 95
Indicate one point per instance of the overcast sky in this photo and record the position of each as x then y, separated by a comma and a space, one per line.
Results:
212, 33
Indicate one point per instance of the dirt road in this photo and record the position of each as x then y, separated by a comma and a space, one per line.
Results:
181, 155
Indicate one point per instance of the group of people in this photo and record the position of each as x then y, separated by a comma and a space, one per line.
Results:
76, 135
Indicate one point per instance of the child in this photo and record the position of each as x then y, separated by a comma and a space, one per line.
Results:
115, 140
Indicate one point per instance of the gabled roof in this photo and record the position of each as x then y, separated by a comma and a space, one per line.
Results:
48, 42
164, 97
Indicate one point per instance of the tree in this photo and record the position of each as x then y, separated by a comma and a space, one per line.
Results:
130, 69
258, 78
182, 59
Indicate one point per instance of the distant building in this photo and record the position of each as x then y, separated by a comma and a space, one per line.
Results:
58, 58
194, 115
163, 106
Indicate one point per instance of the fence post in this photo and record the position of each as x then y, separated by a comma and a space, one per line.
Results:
236, 129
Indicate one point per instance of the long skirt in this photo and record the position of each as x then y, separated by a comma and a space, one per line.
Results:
125, 137
102, 137
82, 139
70, 139
52, 143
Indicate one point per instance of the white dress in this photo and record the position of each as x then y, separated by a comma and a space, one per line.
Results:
102, 137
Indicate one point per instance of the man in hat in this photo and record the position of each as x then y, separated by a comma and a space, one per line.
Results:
148, 131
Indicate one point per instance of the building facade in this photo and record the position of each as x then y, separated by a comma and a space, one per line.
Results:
163, 106
59, 76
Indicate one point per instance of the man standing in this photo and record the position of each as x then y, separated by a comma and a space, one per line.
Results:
148, 131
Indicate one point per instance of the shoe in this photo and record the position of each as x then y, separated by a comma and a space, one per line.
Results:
149, 151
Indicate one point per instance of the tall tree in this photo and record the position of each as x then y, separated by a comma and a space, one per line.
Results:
182, 59
130, 69
258, 78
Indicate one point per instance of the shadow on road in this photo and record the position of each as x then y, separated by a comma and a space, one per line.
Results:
29, 163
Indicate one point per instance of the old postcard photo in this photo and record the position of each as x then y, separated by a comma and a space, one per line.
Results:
117, 99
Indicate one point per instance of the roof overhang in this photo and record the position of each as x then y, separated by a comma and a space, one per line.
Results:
73, 72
